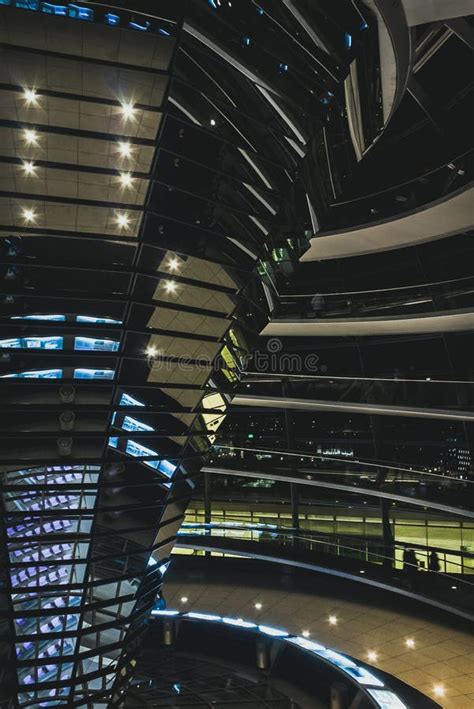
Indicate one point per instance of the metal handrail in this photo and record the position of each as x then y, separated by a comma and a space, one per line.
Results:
310, 536
280, 533
376, 290
403, 184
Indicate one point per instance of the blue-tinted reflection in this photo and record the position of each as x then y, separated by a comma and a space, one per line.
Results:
85, 373
96, 345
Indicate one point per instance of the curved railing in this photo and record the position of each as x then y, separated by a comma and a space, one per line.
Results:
452, 563
440, 296
347, 477
452, 591
315, 669
404, 197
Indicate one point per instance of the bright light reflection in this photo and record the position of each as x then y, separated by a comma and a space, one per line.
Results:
29, 215
125, 150
28, 167
30, 136
274, 632
203, 616
240, 622
30, 96
126, 180
170, 286
123, 221
128, 111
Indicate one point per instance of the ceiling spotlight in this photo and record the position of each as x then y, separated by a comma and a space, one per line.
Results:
438, 690
30, 96
170, 286
123, 221
28, 167
151, 351
258, 606
372, 656
29, 215
184, 599
409, 642
212, 122
173, 264
30, 136
305, 633
126, 179
125, 150
332, 620
128, 111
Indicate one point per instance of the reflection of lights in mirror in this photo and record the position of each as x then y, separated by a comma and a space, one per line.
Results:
125, 150
126, 180
29, 215
123, 221
170, 286
30, 136
30, 96
28, 167
128, 111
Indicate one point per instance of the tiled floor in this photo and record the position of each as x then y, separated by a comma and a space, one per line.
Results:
442, 656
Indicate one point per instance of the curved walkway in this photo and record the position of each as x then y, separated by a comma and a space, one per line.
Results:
370, 492
440, 653
451, 321
445, 217
353, 570
279, 402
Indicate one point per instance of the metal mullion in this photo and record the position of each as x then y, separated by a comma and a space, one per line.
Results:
81, 97
97, 204
75, 132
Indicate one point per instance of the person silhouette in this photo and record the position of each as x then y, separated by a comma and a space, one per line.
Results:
433, 562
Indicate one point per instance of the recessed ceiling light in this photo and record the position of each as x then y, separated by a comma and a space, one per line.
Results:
29, 215
30, 136
184, 599
30, 96
409, 642
126, 179
258, 606
305, 633
128, 111
212, 122
439, 690
28, 167
151, 351
332, 620
125, 149
372, 655
123, 221
170, 286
